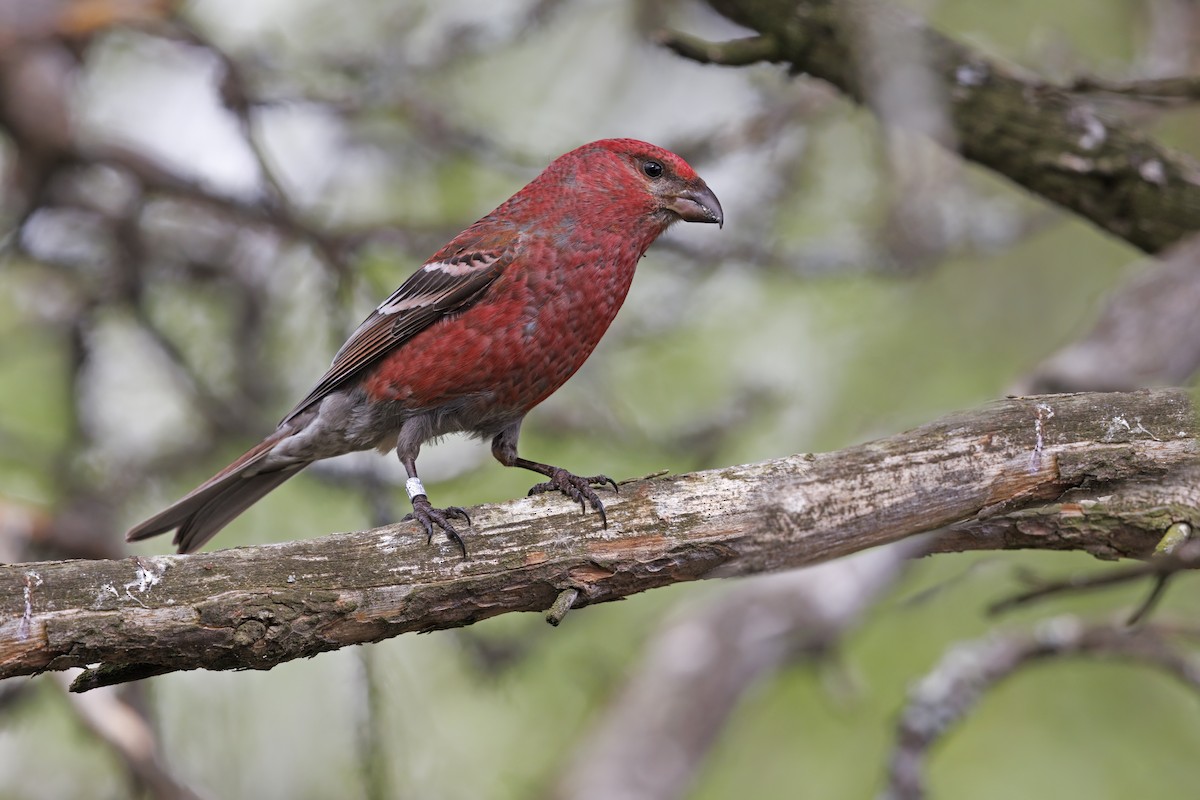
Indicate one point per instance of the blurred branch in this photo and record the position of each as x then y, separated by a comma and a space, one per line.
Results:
1167, 45
650, 742
734, 53
129, 734
1161, 567
239, 100
258, 607
1148, 333
967, 671
1179, 89
1046, 138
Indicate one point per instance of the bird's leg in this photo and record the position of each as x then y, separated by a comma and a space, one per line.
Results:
424, 512
579, 489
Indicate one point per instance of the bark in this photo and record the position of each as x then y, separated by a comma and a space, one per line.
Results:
1104, 473
1052, 141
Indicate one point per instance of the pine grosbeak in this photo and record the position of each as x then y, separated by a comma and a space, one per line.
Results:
489, 327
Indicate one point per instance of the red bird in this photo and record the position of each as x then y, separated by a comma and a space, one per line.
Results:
489, 327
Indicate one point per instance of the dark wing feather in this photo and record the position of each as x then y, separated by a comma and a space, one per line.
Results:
453, 280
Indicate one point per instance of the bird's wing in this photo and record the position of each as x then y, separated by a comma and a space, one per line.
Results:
453, 280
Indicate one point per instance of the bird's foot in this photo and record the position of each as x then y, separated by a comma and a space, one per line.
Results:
578, 489
424, 513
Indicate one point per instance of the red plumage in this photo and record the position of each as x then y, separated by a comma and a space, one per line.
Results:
489, 327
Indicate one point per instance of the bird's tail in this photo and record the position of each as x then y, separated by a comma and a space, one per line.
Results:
208, 508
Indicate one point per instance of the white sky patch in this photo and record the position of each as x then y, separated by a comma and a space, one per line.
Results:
305, 146
162, 98
133, 409
242, 24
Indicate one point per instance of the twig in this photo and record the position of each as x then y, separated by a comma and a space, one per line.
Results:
1161, 567
735, 53
1177, 89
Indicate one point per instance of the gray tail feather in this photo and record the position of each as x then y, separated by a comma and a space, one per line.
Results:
202, 514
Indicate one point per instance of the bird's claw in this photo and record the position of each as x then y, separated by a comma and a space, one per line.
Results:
424, 513
578, 488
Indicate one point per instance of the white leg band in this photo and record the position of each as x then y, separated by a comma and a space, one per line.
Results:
414, 487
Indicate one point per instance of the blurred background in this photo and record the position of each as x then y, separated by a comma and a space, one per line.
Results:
202, 199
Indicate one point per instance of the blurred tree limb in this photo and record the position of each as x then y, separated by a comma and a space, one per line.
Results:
1104, 473
947, 694
1049, 139
1148, 333
653, 738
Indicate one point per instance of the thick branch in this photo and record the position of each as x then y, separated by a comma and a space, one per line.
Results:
1046, 138
259, 606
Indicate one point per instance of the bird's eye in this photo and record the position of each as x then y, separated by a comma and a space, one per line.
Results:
652, 168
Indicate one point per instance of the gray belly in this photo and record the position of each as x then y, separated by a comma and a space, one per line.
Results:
345, 422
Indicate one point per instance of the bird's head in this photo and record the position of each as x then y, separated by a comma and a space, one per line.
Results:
621, 184
677, 192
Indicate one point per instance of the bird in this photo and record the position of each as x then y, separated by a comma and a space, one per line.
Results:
485, 330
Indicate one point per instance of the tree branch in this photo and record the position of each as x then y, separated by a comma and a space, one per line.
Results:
1048, 139
255, 607
1162, 567
1148, 332
653, 737
969, 670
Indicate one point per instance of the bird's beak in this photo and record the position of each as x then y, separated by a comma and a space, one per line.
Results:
697, 204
